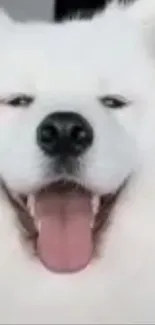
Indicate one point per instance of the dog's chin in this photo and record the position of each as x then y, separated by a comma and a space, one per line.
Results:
64, 221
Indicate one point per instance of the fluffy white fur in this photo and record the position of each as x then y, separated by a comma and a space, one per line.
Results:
68, 67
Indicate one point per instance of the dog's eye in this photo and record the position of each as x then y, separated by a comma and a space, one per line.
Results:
113, 102
20, 101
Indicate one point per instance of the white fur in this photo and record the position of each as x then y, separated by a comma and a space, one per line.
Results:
68, 67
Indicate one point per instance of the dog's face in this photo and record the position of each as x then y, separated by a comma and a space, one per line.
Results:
74, 107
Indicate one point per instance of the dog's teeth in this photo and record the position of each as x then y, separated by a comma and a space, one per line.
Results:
31, 205
92, 222
95, 203
37, 224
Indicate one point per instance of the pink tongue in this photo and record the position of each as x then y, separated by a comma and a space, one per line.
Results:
65, 238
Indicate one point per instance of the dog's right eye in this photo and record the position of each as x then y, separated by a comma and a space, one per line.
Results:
20, 101
113, 102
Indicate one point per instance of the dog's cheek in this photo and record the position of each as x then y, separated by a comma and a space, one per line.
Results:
22, 165
108, 163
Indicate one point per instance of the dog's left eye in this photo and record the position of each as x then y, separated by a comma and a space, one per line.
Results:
20, 101
113, 102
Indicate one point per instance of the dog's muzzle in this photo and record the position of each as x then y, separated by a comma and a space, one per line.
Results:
64, 219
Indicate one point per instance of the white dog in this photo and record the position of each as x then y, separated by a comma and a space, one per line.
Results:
77, 169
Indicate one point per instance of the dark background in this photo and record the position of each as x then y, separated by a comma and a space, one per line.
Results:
68, 7
65, 8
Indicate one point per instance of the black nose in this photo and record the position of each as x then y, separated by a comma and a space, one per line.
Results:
64, 134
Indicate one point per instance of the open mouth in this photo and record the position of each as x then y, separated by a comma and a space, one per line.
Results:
65, 220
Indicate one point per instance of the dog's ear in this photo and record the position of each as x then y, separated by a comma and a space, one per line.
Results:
5, 19
143, 11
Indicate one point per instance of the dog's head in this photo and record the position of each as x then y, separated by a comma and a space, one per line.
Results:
76, 112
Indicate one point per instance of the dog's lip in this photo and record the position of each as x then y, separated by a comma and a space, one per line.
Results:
19, 201
100, 221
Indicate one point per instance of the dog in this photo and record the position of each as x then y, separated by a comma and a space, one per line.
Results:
77, 168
